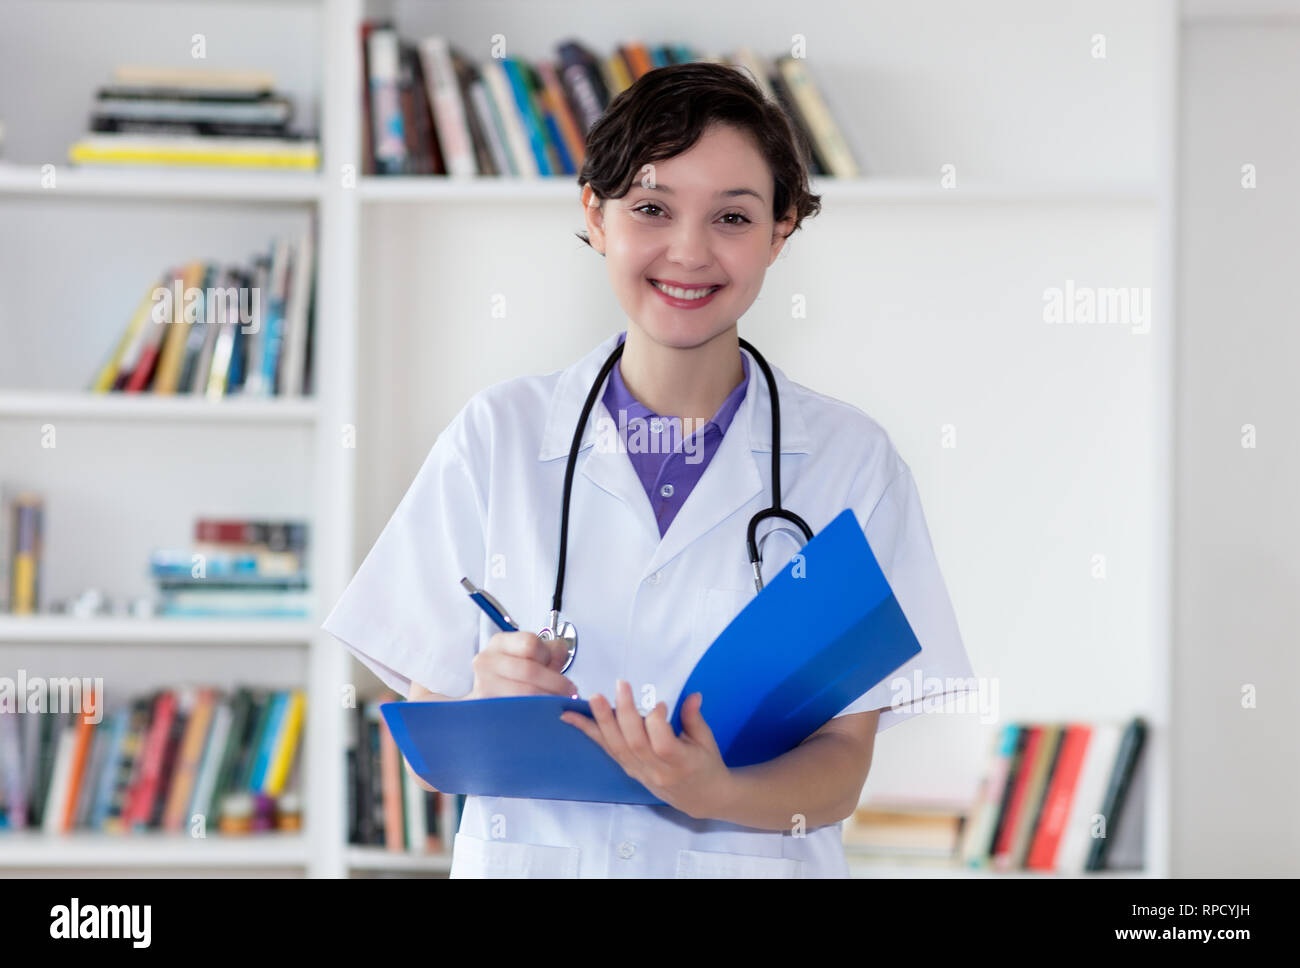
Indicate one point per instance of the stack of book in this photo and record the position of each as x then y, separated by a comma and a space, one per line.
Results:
236, 569
194, 118
905, 832
22, 523
1064, 797
190, 760
430, 110
211, 330
386, 806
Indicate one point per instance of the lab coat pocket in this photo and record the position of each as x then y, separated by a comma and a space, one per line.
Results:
716, 608
476, 857
712, 863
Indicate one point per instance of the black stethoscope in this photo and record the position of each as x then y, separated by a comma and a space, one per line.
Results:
566, 630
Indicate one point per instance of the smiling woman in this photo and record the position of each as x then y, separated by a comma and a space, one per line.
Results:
692, 184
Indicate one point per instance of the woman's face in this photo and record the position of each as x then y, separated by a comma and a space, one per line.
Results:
699, 220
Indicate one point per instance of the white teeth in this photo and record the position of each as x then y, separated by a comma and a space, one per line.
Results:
683, 293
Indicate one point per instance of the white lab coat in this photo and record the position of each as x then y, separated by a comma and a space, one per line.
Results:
486, 504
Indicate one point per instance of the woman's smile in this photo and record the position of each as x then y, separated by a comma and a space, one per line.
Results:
682, 297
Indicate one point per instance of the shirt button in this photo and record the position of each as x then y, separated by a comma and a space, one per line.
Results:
666, 490
626, 849
657, 425
654, 579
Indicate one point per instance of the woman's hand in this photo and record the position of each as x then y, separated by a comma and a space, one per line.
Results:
521, 664
686, 772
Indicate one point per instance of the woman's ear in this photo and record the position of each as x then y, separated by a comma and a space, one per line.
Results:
595, 218
780, 232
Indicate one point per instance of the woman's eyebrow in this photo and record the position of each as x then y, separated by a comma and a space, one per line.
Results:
729, 192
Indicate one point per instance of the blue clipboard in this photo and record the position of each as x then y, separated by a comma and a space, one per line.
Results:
819, 635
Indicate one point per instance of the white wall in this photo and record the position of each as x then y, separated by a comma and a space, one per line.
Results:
1235, 777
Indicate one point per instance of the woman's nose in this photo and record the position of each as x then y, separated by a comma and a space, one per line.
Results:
689, 247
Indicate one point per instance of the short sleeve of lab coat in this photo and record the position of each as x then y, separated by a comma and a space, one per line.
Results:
404, 614
899, 538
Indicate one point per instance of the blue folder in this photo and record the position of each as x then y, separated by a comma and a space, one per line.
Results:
819, 635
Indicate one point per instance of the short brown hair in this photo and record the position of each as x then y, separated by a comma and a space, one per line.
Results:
667, 110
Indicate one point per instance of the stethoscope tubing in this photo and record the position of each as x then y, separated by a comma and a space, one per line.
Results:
751, 545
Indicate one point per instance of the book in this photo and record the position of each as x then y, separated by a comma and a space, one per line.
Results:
251, 83
389, 137
110, 768
391, 768
898, 830
181, 788
1056, 800
127, 148
818, 123
978, 837
25, 563
258, 115
13, 797
1117, 789
84, 734
172, 354
292, 365
1034, 792
8, 542
285, 745
1083, 821
448, 108
60, 777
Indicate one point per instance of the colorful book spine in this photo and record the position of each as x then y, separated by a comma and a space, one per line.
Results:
286, 744
25, 592
275, 714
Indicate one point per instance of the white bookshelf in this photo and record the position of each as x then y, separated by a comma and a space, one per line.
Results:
378, 860
108, 407
31, 180
77, 851
53, 629
1079, 180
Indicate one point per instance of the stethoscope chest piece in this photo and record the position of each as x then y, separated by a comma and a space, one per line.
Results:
565, 631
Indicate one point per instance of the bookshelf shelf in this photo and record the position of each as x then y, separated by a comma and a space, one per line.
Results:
79, 850
150, 406
163, 631
441, 188
196, 184
378, 859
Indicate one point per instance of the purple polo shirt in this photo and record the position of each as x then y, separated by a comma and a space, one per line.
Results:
668, 472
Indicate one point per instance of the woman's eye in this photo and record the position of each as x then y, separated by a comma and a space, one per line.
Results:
740, 216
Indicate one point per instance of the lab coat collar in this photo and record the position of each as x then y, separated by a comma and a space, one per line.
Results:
755, 411
730, 481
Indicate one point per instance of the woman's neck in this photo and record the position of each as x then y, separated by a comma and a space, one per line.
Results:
686, 383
